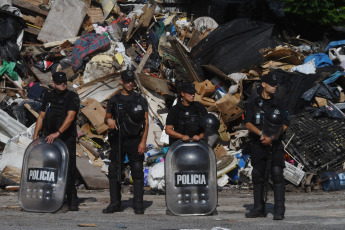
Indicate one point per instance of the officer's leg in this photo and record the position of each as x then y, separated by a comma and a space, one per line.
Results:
72, 198
258, 190
114, 183
136, 164
138, 183
279, 192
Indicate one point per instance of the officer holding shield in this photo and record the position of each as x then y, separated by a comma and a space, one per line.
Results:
57, 119
266, 146
183, 121
127, 118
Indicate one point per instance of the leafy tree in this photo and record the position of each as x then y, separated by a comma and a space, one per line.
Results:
325, 12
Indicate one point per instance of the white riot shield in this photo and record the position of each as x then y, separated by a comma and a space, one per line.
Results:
191, 179
44, 176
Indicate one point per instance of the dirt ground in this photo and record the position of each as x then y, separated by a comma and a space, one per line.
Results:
315, 210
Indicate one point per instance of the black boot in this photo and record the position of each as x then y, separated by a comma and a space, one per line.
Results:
279, 201
71, 190
259, 204
138, 199
73, 203
114, 190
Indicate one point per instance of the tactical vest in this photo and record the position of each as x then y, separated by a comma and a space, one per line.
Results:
189, 120
121, 110
56, 112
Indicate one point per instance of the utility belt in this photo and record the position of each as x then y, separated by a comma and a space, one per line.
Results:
113, 135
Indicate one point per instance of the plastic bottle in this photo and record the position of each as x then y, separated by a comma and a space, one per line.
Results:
332, 184
342, 180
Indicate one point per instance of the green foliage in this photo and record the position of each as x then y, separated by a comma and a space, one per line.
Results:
325, 12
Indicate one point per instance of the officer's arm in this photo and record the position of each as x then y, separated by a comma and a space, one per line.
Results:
252, 128
283, 129
142, 145
68, 121
108, 120
169, 129
39, 124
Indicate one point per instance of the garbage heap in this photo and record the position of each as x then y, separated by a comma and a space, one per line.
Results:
93, 41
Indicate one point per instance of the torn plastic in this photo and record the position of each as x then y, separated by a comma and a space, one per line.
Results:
322, 90
330, 111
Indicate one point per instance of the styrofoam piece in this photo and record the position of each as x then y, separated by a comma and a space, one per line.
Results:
4, 138
12, 155
223, 180
293, 173
10, 125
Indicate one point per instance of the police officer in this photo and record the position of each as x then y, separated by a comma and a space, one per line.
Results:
57, 119
127, 118
263, 147
183, 121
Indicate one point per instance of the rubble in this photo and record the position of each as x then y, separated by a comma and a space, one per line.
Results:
165, 48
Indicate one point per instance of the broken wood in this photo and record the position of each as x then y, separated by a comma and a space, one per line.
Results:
57, 43
131, 27
89, 147
27, 6
183, 59
155, 84
20, 90
31, 110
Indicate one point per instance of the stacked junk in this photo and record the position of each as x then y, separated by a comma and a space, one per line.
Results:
93, 41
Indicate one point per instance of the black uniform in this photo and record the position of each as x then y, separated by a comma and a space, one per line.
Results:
186, 119
118, 105
255, 112
56, 107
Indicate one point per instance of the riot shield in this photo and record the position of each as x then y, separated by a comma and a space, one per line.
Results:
191, 179
44, 176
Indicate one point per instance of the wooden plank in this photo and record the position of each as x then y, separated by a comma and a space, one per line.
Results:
32, 30
30, 7
93, 177
218, 72
31, 110
155, 84
44, 78
184, 60
39, 21
96, 15
57, 43
29, 18
63, 21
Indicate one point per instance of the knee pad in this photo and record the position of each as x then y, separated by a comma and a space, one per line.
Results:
257, 176
137, 170
277, 174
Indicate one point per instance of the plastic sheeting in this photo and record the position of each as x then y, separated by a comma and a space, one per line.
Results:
234, 46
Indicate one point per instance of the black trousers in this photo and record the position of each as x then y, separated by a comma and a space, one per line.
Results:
259, 155
71, 190
129, 146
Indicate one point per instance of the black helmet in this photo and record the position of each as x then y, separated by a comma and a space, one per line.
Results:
273, 123
274, 116
135, 118
210, 121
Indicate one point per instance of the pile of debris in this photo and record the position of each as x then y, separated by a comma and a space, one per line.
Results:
93, 41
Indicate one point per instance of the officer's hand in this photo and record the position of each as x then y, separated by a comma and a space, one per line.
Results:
185, 138
50, 139
196, 138
141, 148
112, 123
265, 140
